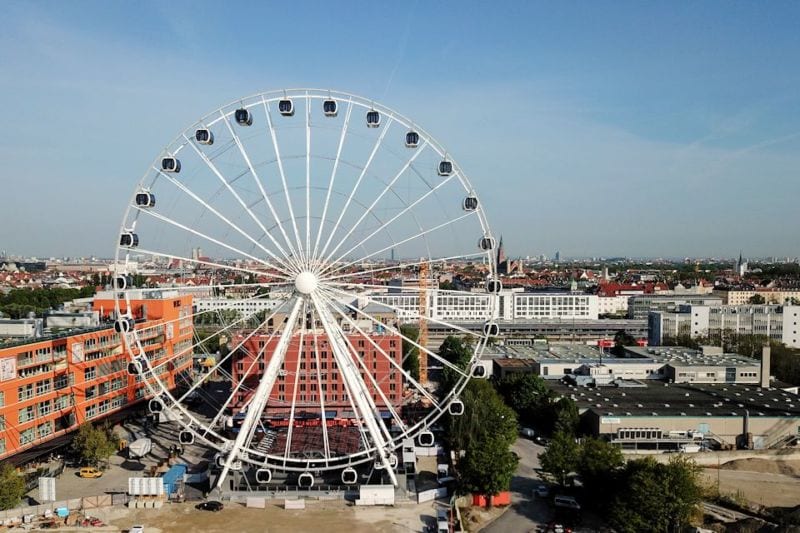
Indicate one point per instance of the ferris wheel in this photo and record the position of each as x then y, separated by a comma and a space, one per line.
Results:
312, 226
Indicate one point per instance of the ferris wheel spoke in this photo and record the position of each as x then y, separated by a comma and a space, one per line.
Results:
409, 378
401, 266
398, 215
408, 239
300, 252
258, 182
374, 203
355, 187
350, 375
241, 343
233, 268
342, 136
308, 178
219, 215
395, 331
366, 370
244, 205
301, 352
202, 235
241, 380
410, 288
322, 393
261, 395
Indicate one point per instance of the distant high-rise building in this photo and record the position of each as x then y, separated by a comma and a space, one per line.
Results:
558, 256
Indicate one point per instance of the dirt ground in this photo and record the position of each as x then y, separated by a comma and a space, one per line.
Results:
765, 482
318, 517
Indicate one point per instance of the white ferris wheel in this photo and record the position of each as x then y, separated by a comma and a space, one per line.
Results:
291, 215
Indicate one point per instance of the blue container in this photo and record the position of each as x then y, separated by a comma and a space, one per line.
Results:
172, 478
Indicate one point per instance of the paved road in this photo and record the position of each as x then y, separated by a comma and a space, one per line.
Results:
527, 513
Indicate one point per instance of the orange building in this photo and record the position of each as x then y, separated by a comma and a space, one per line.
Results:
315, 372
51, 385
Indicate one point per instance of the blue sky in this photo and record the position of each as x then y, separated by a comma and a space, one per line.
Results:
593, 128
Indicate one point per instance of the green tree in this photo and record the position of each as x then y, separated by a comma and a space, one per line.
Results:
410, 351
598, 465
621, 339
457, 351
756, 299
94, 444
485, 433
525, 393
487, 467
565, 416
561, 457
656, 497
12, 487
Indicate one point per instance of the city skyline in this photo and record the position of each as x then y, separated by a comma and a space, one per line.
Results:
574, 137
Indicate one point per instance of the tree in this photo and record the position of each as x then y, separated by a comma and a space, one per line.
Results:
487, 467
525, 393
621, 339
756, 299
12, 487
598, 465
485, 433
485, 415
457, 351
561, 457
410, 351
656, 497
94, 444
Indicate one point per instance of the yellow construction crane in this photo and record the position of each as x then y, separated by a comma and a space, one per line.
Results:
422, 338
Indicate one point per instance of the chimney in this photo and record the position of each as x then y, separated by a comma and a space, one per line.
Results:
765, 354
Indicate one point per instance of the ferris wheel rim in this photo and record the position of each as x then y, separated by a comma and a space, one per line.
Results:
293, 464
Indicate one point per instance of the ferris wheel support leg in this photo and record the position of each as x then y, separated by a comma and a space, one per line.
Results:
261, 394
350, 374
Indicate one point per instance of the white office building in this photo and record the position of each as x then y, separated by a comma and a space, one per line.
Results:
512, 305
777, 322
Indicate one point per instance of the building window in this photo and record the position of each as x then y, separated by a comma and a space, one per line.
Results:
26, 437
89, 373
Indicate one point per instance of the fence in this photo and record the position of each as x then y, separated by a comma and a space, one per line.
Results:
76, 504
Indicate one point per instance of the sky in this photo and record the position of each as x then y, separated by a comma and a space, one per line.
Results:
619, 128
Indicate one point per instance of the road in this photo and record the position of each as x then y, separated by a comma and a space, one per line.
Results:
527, 513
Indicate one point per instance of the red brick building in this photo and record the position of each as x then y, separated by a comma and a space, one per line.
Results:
315, 373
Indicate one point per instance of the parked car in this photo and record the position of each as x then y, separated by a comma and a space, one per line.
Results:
90, 472
136, 529
527, 432
212, 505
567, 502
542, 491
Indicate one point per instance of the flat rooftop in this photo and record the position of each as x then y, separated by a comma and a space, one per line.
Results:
683, 356
681, 399
548, 352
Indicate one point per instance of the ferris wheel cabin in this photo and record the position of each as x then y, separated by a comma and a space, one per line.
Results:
445, 168
286, 107
204, 136
243, 117
373, 119
145, 200
412, 139
470, 203
124, 325
330, 108
129, 239
171, 164
486, 243
494, 286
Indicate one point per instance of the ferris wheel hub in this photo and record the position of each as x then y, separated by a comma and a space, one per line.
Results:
306, 282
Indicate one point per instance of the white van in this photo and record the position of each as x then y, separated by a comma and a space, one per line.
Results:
567, 502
